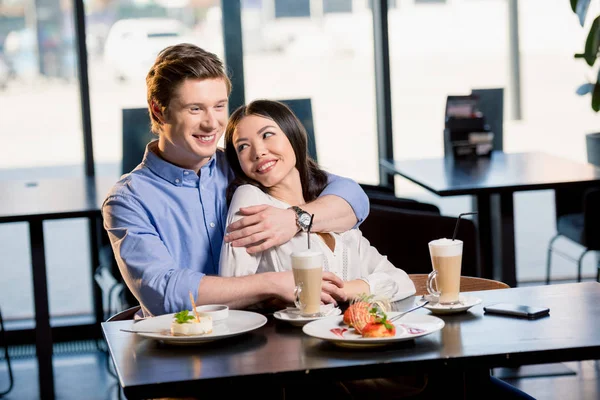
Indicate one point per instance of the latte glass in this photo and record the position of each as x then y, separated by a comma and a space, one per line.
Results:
446, 260
307, 267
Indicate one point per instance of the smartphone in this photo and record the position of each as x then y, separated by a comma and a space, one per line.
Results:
517, 310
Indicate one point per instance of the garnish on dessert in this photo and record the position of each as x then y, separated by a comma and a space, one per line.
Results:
183, 316
186, 324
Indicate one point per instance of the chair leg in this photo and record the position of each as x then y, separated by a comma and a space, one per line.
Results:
549, 258
598, 273
579, 264
6, 355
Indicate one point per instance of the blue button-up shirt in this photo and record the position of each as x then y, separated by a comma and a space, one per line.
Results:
166, 226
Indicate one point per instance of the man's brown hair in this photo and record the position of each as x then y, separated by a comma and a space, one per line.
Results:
175, 64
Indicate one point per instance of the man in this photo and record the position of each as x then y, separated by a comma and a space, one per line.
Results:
166, 219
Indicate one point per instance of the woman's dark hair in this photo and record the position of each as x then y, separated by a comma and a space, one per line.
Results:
312, 178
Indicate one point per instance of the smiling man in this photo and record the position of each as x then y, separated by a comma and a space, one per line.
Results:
166, 218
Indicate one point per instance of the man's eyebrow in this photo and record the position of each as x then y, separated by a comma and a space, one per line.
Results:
201, 104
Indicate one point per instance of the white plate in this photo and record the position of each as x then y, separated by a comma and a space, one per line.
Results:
293, 316
465, 302
236, 323
409, 327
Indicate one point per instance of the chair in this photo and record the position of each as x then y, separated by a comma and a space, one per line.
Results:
7, 357
125, 314
577, 219
403, 236
120, 316
303, 110
384, 196
136, 135
491, 104
467, 284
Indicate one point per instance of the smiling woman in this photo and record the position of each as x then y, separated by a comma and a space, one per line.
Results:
266, 146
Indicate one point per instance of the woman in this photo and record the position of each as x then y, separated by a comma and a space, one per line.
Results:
266, 147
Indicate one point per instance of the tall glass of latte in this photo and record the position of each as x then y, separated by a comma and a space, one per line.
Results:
446, 260
307, 267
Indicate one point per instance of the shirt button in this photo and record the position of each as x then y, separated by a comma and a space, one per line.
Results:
212, 224
186, 172
177, 180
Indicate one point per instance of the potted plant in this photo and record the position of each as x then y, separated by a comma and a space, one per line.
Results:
590, 54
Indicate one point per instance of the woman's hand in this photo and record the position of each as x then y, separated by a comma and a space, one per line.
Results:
331, 287
262, 227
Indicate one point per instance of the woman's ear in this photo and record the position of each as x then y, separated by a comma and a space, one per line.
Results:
157, 112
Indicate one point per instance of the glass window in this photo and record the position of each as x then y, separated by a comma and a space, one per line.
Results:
123, 42
464, 45
327, 58
292, 8
337, 6
42, 138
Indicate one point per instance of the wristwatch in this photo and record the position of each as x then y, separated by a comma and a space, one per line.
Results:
302, 218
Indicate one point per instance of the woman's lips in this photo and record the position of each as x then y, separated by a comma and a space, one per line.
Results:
266, 166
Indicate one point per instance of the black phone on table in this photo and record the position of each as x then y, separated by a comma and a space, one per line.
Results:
517, 310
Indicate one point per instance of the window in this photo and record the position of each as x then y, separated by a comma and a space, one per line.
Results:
329, 59
292, 8
439, 51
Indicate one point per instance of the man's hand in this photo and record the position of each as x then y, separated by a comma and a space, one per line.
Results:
262, 227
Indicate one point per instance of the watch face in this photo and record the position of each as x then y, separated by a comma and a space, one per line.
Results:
304, 220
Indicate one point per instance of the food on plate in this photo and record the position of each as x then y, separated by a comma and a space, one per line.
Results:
367, 315
379, 329
186, 324
357, 315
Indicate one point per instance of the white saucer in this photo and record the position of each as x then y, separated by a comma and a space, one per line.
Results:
465, 302
293, 316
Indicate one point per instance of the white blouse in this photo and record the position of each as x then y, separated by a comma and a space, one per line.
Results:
352, 258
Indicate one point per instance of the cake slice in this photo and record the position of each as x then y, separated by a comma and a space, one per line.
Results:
185, 324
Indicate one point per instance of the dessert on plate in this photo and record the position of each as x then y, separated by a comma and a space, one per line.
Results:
368, 317
185, 324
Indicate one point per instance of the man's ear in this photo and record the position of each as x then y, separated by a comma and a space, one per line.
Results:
157, 112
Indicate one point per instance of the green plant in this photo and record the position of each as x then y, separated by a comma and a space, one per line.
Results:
590, 54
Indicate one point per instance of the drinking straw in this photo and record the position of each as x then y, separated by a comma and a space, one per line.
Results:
194, 307
458, 222
308, 230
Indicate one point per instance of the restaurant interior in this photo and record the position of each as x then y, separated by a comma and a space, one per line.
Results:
437, 108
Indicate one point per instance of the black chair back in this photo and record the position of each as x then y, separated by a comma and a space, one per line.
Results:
125, 314
403, 236
136, 135
491, 104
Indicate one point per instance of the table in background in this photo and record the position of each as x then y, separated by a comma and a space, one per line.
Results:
493, 180
278, 354
36, 201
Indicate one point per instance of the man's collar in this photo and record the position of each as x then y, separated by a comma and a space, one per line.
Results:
170, 172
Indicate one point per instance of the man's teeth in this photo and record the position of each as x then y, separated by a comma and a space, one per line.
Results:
265, 166
206, 138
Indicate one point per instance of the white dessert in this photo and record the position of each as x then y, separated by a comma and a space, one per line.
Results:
192, 327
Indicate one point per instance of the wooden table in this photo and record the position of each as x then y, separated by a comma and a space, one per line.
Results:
279, 354
493, 180
34, 202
